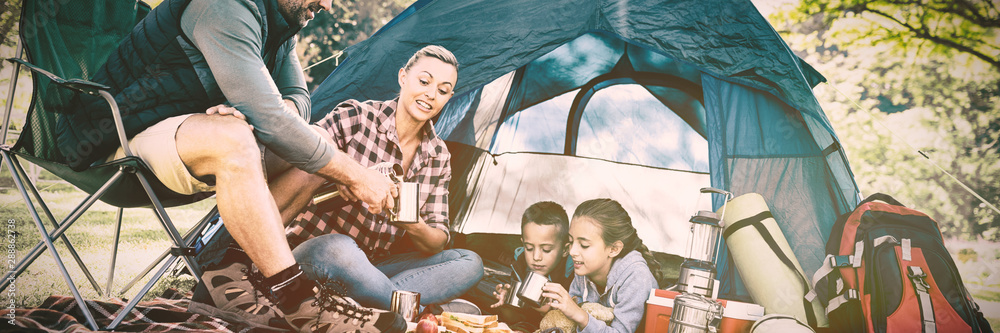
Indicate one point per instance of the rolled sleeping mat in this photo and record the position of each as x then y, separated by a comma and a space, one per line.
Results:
765, 261
779, 323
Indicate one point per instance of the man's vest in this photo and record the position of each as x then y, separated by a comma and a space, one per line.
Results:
152, 78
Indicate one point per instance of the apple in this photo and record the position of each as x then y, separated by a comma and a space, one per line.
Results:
427, 326
432, 317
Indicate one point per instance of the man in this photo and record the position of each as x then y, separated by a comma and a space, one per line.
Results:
208, 85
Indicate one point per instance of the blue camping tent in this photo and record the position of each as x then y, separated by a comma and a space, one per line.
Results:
642, 101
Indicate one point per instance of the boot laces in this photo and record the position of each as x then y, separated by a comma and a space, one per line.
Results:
256, 279
331, 300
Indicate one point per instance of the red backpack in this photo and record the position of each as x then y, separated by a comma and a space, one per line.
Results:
887, 270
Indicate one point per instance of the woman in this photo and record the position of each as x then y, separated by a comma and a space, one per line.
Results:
360, 253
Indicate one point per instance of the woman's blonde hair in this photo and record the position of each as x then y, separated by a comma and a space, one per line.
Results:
433, 51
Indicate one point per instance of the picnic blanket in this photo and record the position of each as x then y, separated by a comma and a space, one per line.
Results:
167, 313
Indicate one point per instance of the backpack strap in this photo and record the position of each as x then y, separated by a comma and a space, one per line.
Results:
836, 302
756, 222
917, 276
830, 265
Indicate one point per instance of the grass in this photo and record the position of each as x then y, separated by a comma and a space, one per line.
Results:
142, 240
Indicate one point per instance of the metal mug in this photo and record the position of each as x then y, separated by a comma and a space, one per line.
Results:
405, 304
511, 297
406, 208
531, 289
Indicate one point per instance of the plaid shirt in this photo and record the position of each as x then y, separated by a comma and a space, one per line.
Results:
366, 131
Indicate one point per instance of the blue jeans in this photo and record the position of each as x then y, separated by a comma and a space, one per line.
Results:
336, 259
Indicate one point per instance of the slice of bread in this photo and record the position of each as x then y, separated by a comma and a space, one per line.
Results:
468, 323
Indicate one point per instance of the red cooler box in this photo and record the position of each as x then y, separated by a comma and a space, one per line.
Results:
736, 318
659, 306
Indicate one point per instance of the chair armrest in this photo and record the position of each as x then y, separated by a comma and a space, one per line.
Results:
87, 87
83, 86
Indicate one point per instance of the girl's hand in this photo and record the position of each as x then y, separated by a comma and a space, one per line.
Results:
560, 299
544, 308
500, 293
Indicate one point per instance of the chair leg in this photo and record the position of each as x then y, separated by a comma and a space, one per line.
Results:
114, 252
145, 289
179, 244
175, 236
48, 213
52, 248
189, 239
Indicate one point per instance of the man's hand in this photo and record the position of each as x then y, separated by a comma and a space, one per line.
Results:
374, 189
346, 193
225, 110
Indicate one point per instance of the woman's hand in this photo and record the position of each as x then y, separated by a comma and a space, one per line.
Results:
500, 293
560, 299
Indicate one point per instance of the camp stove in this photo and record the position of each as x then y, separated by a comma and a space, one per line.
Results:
697, 273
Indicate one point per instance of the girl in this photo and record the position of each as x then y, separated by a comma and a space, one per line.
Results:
612, 267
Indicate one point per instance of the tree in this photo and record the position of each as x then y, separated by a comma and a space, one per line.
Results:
944, 27
10, 12
327, 35
928, 71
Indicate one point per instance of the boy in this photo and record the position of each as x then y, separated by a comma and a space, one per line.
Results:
545, 240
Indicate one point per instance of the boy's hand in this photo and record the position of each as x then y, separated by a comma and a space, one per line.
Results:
500, 293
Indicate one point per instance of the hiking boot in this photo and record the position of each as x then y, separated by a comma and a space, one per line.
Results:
331, 312
232, 297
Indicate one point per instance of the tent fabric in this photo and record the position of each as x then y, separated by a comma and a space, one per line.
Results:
771, 157
506, 184
642, 101
728, 38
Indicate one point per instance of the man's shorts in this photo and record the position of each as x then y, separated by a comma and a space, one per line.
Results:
157, 147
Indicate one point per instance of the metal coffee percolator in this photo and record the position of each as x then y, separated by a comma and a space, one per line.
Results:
697, 273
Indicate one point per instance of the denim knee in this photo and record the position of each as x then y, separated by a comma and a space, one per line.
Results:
471, 263
334, 250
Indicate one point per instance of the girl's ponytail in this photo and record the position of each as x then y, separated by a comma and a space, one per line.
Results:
635, 243
616, 225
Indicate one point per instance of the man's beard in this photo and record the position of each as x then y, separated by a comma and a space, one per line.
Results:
297, 13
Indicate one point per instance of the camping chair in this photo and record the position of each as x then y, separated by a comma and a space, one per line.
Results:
65, 43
